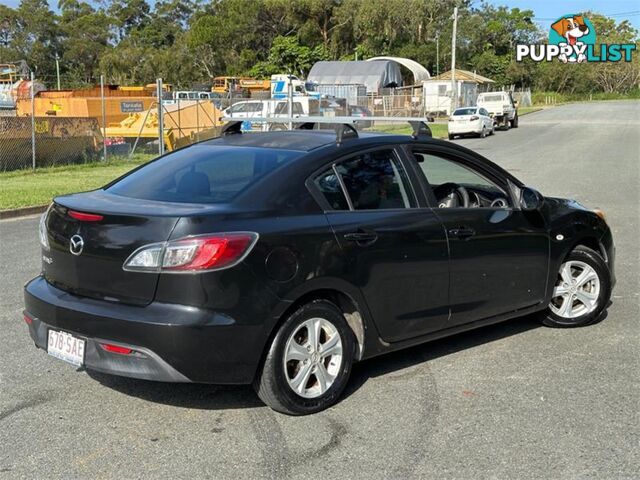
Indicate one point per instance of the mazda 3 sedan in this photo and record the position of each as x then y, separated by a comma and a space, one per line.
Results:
279, 259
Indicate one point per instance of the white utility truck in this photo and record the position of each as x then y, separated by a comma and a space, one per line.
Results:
502, 108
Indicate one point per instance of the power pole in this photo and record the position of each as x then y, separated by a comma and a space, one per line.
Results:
58, 70
454, 88
438, 54
104, 118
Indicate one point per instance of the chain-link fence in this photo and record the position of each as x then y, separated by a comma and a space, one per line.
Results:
55, 127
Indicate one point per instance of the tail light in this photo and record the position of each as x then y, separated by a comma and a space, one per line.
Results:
42, 229
475, 117
193, 254
85, 217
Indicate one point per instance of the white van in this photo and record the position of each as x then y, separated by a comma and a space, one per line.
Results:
301, 106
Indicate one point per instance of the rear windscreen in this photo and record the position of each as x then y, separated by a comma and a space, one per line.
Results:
491, 98
202, 174
465, 111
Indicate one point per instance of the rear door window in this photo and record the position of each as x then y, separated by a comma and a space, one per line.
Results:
376, 180
283, 108
202, 174
329, 185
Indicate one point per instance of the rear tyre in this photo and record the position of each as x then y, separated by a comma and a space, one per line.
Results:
582, 290
451, 137
493, 129
309, 361
483, 133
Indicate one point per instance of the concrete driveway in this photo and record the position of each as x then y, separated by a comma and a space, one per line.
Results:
509, 401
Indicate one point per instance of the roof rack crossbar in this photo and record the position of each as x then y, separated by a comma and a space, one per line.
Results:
343, 126
343, 130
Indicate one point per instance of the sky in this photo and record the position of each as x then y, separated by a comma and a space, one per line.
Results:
546, 11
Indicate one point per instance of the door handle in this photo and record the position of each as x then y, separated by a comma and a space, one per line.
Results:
462, 232
362, 238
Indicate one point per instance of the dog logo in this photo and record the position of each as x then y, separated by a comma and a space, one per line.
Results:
76, 244
575, 31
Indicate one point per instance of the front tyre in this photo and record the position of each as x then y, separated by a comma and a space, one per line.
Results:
581, 292
309, 361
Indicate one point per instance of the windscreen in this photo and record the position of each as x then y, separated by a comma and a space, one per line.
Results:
202, 174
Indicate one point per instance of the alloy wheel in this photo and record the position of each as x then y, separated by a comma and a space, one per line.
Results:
313, 357
576, 291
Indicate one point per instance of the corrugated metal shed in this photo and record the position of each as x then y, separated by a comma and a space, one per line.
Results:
373, 75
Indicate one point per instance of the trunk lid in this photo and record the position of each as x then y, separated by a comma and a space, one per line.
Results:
95, 269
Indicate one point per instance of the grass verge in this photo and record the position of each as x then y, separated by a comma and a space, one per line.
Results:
438, 130
28, 188
525, 110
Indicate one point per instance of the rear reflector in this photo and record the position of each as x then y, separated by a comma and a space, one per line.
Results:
85, 217
116, 349
27, 319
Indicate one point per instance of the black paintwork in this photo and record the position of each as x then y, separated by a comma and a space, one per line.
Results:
422, 278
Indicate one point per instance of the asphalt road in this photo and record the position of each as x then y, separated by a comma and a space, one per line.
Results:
508, 401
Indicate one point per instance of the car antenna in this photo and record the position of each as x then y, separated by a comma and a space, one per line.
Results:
344, 130
420, 129
232, 128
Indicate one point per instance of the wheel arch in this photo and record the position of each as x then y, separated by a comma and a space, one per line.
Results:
347, 300
592, 242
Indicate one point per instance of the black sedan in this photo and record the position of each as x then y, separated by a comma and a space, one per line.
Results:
282, 258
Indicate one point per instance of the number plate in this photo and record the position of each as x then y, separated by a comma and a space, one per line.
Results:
66, 347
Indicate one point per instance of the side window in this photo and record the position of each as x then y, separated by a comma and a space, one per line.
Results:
282, 108
330, 187
238, 108
376, 180
449, 181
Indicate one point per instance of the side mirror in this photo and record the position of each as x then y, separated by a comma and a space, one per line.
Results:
530, 199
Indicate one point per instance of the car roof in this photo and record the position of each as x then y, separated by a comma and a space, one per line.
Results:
324, 142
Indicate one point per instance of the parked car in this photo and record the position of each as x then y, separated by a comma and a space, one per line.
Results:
502, 108
281, 258
470, 120
185, 96
363, 112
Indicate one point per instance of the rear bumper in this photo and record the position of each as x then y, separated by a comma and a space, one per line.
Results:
459, 128
178, 343
145, 364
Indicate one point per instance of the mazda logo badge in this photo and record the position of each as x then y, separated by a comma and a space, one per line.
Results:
76, 244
